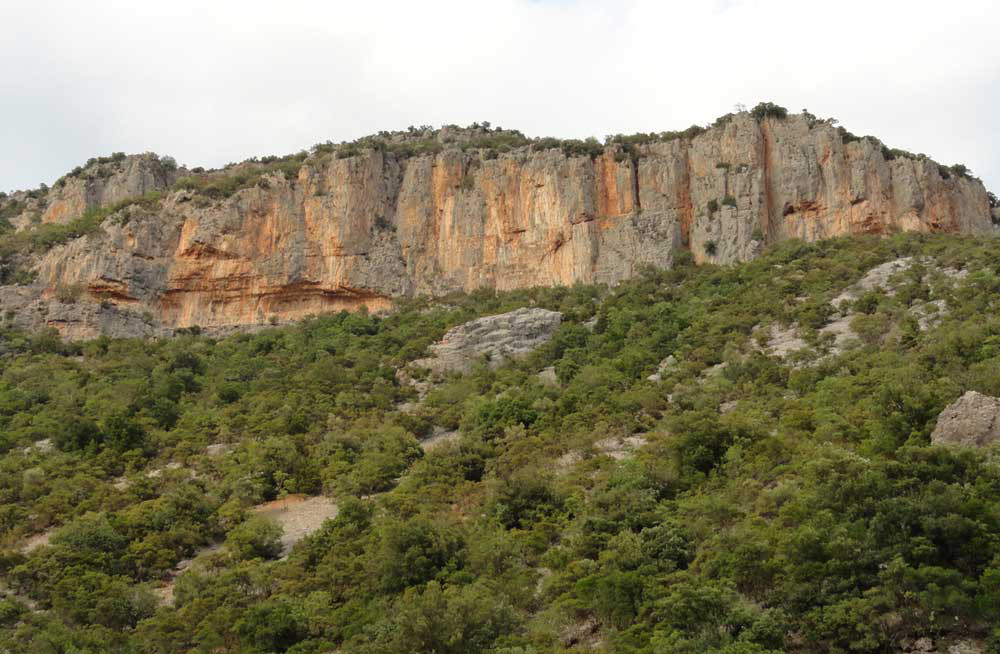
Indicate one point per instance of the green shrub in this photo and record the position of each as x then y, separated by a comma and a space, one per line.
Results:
768, 110
723, 120
256, 538
961, 170
446, 619
11, 209
416, 551
219, 186
68, 293
847, 137
467, 183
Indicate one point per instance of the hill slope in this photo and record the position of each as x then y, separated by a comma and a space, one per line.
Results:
134, 245
700, 460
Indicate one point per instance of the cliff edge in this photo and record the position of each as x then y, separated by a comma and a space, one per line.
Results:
137, 246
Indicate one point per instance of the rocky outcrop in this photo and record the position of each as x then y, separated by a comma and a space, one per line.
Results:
102, 183
492, 340
342, 232
972, 420
884, 278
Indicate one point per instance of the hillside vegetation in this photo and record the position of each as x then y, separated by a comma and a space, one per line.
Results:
745, 503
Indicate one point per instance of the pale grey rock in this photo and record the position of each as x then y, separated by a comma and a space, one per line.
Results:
843, 335
440, 436
783, 341
967, 646
929, 314
219, 449
492, 339
972, 420
619, 448
158, 472
664, 367
548, 376
712, 372
568, 460
878, 278
106, 184
582, 635
43, 446
38, 540
100, 185
298, 516
25, 308
955, 273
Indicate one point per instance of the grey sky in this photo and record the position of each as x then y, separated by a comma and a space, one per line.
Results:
213, 82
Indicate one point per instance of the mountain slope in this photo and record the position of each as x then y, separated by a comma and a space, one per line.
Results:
666, 473
133, 245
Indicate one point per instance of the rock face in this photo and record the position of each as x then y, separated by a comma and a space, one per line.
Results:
100, 184
492, 339
973, 420
885, 277
341, 233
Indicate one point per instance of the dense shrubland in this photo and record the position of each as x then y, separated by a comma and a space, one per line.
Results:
812, 515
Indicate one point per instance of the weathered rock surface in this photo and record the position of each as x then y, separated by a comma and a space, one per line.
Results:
298, 516
440, 436
784, 341
548, 376
664, 366
492, 339
927, 646
878, 278
98, 185
342, 233
973, 420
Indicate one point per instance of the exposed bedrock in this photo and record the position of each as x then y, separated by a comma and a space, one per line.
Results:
343, 233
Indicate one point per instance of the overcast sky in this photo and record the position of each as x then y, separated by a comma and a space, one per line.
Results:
212, 82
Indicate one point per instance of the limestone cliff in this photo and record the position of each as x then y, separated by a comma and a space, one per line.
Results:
361, 226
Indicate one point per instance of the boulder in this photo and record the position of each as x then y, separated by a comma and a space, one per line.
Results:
972, 420
492, 339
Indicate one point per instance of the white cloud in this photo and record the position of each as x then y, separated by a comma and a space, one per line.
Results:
215, 82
